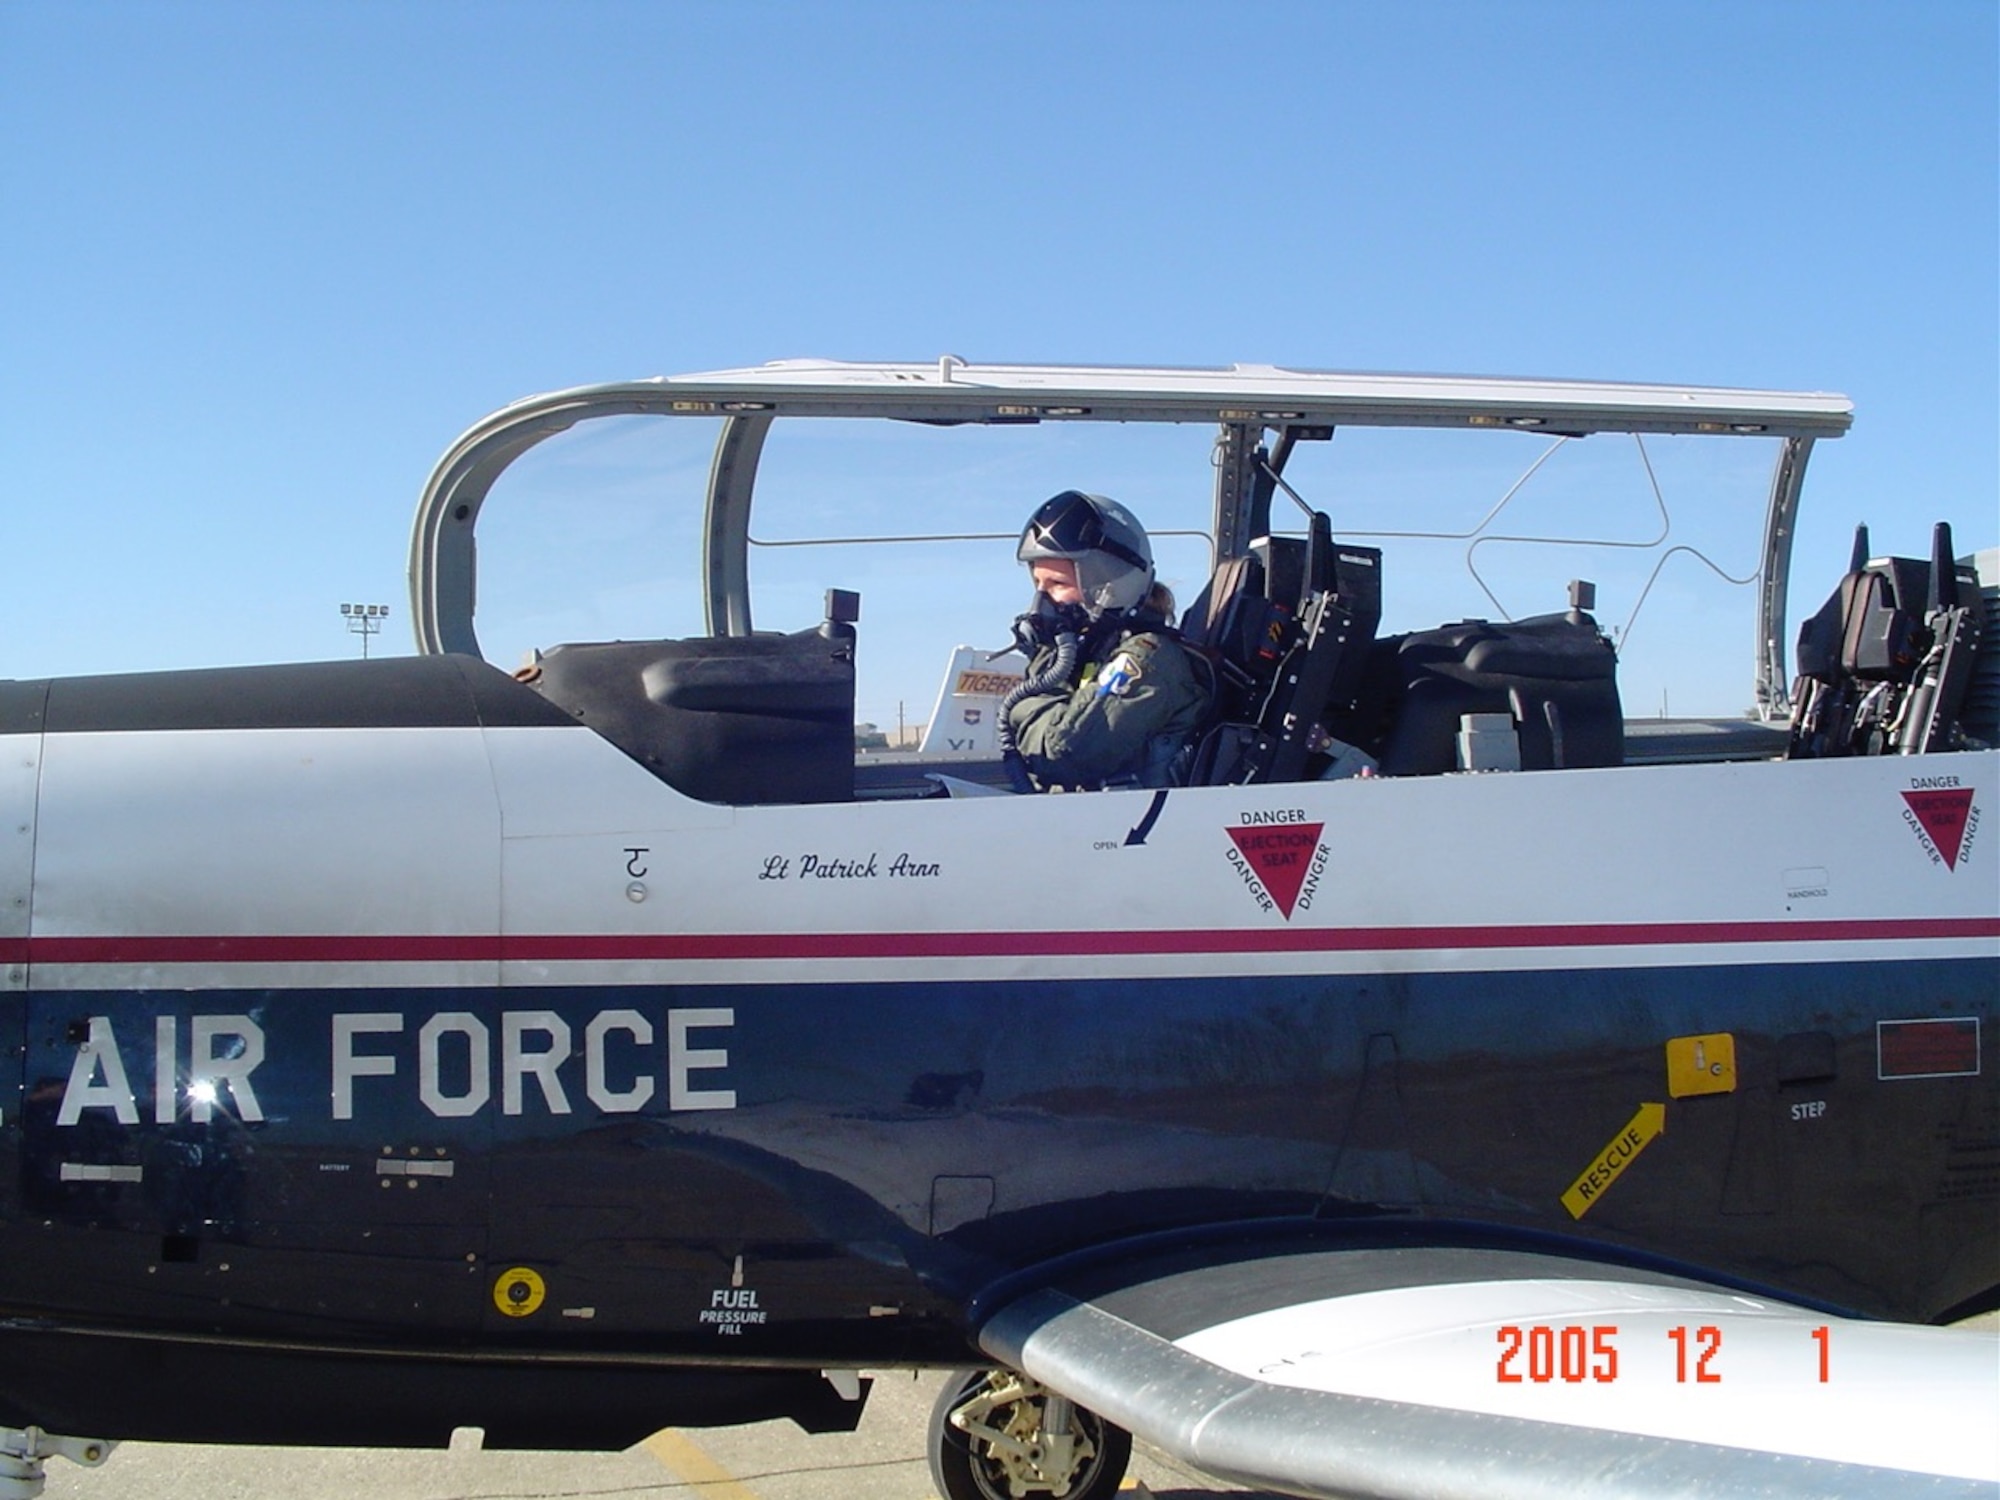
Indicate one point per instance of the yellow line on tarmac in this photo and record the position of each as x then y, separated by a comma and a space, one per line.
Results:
682, 1456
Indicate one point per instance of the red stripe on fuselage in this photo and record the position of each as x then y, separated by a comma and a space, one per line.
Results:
686, 947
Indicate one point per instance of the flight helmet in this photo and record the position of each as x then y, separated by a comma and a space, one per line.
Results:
1114, 561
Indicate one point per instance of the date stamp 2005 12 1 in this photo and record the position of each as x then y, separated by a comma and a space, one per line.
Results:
1572, 1353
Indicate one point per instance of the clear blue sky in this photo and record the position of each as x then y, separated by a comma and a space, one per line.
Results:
262, 263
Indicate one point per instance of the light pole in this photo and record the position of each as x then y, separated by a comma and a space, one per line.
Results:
365, 620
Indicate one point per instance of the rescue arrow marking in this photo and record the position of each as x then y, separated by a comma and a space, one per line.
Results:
1605, 1168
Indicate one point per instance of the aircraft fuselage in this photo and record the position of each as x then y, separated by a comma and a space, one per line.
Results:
377, 1009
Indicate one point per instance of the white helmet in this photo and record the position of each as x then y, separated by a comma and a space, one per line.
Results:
1114, 561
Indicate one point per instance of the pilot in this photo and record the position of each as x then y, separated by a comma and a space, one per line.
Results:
1111, 697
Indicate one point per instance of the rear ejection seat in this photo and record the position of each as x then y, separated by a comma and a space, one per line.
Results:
742, 720
1897, 661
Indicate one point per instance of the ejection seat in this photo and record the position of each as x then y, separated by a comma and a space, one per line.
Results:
1287, 629
743, 720
1895, 660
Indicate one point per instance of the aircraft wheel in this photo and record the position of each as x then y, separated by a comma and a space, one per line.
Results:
997, 1435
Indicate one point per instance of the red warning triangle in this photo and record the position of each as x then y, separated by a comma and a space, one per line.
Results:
1279, 854
1943, 815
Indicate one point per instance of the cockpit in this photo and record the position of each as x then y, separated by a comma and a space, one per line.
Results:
1303, 517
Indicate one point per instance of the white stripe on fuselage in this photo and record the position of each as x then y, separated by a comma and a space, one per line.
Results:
381, 839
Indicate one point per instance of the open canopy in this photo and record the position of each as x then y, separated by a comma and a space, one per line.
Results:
1259, 412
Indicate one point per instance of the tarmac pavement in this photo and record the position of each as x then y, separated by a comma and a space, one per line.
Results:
882, 1460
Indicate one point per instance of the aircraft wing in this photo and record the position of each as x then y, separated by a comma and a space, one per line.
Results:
1391, 1372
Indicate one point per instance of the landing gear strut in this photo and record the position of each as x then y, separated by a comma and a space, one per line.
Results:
23, 1449
997, 1435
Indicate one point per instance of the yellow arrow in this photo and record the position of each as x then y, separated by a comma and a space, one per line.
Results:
1615, 1158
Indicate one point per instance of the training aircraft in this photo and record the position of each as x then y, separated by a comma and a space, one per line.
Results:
1559, 1103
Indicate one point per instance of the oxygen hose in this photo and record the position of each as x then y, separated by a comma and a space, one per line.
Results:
1054, 680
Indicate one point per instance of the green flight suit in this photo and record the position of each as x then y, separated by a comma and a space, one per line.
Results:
1134, 705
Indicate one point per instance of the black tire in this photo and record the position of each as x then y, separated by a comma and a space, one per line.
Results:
961, 1474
